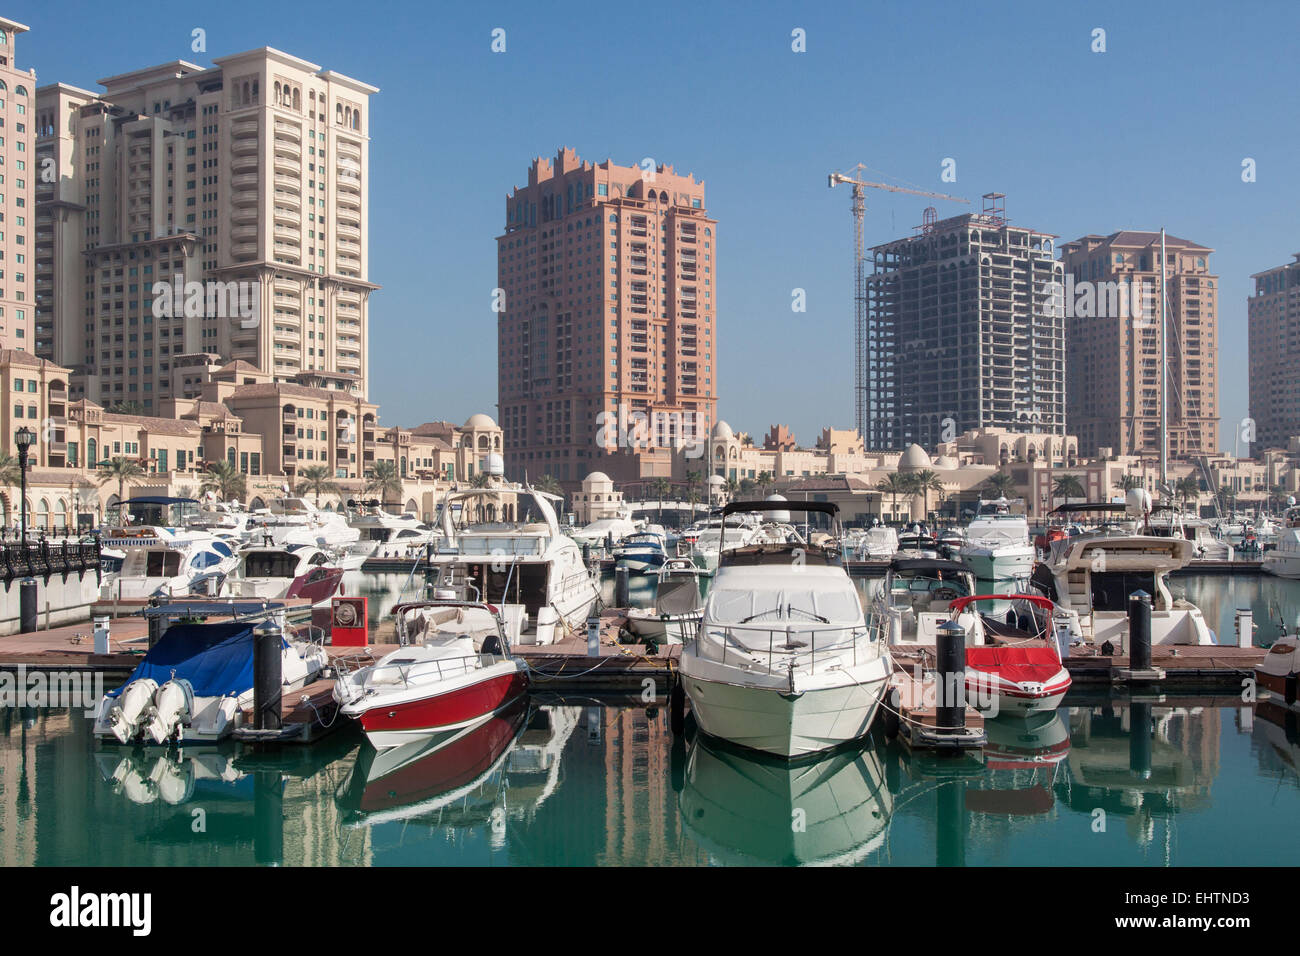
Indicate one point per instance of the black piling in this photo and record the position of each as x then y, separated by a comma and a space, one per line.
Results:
950, 676
267, 677
1139, 631
27, 606
1139, 740
622, 587
268, 818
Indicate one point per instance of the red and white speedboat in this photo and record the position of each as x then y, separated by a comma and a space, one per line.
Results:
1015, 673
454, 671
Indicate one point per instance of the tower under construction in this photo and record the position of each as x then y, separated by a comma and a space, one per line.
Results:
965, 329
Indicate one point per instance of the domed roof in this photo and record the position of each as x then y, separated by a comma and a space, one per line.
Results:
775, 497
914, 459
723, 431
945, 461
480, 420
717, 480
595, 477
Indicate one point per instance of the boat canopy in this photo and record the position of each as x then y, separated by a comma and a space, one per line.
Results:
929, 564
217, 659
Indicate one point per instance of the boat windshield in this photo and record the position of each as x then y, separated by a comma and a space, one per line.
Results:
270, 564
799, 605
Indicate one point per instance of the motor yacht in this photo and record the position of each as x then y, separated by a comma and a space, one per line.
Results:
296, 571
385, 535
290, 520
1283, 559
642, 552
997, 545
876, 543
783, 661
1093, 575
528, 568
163, 559
453, 671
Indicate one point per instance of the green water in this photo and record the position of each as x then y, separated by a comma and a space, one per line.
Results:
582, 781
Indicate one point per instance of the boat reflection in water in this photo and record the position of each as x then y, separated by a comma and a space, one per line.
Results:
172, 777
745, 807
506, 766
1024, 762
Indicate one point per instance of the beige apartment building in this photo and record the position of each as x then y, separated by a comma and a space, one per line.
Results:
1274, 316
607, 303
195, 210
1113, 379
19, 172
268, 430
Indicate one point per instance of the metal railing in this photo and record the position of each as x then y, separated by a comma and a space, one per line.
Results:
791, 645
42, 558
407, 671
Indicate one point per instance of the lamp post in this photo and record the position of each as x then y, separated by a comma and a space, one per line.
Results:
25, 438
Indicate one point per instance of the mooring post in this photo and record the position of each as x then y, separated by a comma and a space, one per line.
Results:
101, 633
268, 818
622, 587
1245, 621
267, 678
27, 606
593, 636
1139, 740
950, 676
1139, 631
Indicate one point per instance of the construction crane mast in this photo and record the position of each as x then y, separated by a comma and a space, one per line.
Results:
862, 383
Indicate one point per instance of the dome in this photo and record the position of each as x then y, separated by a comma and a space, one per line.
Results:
716, 480
480, 421
722, 431
945, 461
596, 478
914, 459
780, 517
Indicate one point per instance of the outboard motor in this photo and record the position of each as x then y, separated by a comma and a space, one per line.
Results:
173, 706
125, 716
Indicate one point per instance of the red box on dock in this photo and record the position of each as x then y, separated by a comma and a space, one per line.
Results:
348, 627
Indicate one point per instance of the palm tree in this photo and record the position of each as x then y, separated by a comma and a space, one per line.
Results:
1000, 484
694, 478
764, 482
1227, 498
662, 486
126, 408
733, 488
1067, 487
383, 478
924, 482
1187, 489
10, 477
892, 485
1128, 482
225, 480
481, 480
123, 471
548, 484
317, 480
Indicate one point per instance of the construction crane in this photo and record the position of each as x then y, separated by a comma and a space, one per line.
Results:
862, 387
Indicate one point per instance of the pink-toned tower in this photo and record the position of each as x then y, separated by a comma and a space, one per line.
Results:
17, 191
607, 302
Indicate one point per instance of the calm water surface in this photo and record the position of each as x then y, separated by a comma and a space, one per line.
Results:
1181, 781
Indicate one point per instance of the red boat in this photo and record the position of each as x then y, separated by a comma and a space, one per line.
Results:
1016, 672
454, 671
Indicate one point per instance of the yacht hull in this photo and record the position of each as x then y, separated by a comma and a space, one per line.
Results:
773, 720
391, 722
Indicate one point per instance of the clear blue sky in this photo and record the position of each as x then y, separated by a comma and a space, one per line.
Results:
1152, 132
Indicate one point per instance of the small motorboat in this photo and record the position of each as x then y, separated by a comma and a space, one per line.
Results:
195, 684
642, 552
1277, 672
678, 605
454, 670
291, 571
1015, 672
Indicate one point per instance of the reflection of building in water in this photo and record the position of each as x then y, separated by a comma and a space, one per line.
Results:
1140, 776
20, 775
1275, 738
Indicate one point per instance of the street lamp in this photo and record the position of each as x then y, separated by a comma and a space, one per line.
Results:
25, 438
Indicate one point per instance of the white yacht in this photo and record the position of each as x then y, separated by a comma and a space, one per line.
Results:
531, 570
383, 534
289, 520
271, 573
606, 532
164, 558
1283, 559
877, 543
997, 545
731, 531
1093, 575
642, 552
783, 661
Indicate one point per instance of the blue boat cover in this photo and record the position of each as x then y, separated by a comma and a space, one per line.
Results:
217, 659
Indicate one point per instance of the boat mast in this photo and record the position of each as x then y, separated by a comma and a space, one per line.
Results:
1164, 370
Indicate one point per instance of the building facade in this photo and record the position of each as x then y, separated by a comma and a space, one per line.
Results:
607, 309
1114, 344
19, 172
203, 210
1274, 316
963, 332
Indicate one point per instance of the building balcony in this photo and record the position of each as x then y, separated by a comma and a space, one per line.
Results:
289, 166
244, 146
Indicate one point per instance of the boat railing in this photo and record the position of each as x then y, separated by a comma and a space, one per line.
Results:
784, 646
406, 672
